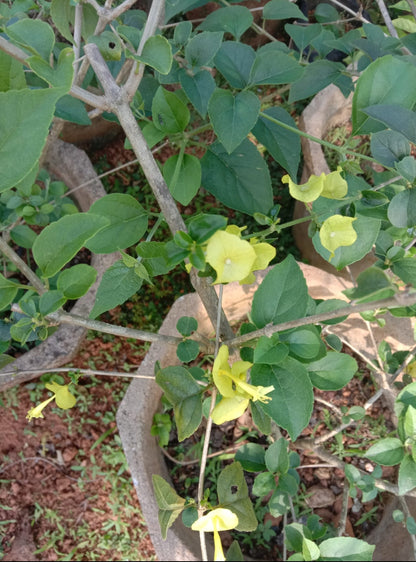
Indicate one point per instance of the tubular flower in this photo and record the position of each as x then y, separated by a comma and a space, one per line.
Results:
236, 392
337, 231
219, 519
331, 186
235, 259
63, 398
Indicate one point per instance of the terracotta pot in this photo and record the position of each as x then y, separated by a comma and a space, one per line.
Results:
71, 165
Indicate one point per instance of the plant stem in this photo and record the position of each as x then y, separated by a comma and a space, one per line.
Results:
87, 372
208, 435
23, 267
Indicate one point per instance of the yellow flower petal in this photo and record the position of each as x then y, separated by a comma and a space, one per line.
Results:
219, 519
36, 412
64, 399
335, 187
337, 231
229, 409
264, 255
308, 191
231, 257
220, 370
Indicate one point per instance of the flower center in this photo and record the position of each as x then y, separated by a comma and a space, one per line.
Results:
228, 261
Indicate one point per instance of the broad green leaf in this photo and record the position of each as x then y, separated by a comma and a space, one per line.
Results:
75, 281
303, 35
202, 48
155, 257
333, 371
315, 77
251, 457
282, 295
203, 226
310, 550
304, 343
62, 13
8, 291
402, 209
12, 76
182, 33
118, 284
367, 231
24, 123
387, 452
260, 419
407, 475
233, 19
130, 35
234, 553
282, 10
186, 325
378, 85
330, 305
277, 458
187, 351
233, 494
72, 110
400, 119
240, 180
174, 7
277, 69
184, 393
346, 548
279, 503
58, 77
185, 181
372, 284
282, 144
410, 422
170, 114
264, 483
35, 36
407, 168
388, 147
169, 503
58, 243
51, 301
152, 134
234, 60
127, 222
292, 398
269, 352
406, 270
23, 235
109, 45
233, 117
157, 53
198, 89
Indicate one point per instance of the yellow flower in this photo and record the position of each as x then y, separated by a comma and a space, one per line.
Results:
36, 412
235, 259
236, 391
63, 398
219, 519
337, 231
331, 186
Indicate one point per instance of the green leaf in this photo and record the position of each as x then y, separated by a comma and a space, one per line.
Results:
233, 19
316, 76
59, 77
346, 548
278, 69
378, 85
157, 53
388, 147
411, 525
372, 284
400, 119
118, 284
240, 180
72, 110
260, 419
12, 76
269, 352
282, 144
187, 350
184, 393
330, 305
58, 243
202, 48
304, 343
234, 60
182, 33
126, 223
8, 291
406, 270
277, 458
62, 12
169, 503
407, 475
185, 182
234, 553
75, 281
282, 10
186, 325
279, 503
198, 89
402, 209
387, 452
398, 516
233, 494
203, 226
282, 295
264, 483
233, 117
410, 422
170, 114
33, 35
407, 168
51, 301
333, 371
292, 398
155, 257
23, 235
310, 550
303, 35
24, 121
109, 45
251, 457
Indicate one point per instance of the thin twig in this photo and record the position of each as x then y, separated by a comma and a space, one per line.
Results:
387, 19
22, 266
77, 38
87, 372
412, 7
196, 461
344, 510
329, 405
